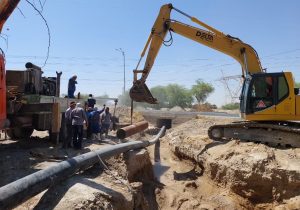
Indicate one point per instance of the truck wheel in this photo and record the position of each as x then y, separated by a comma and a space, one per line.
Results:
19, 133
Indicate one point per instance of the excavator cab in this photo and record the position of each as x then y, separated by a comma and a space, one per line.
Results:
268, 95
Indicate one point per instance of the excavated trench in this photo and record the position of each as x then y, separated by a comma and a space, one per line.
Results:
262, 176
188, 171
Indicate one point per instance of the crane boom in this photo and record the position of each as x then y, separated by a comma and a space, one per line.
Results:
209, 36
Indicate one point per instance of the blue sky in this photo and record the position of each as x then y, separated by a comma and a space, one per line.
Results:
85, 34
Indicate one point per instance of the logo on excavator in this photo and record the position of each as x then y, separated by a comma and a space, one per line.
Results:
205, 36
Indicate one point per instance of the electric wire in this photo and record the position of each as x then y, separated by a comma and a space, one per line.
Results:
48, 30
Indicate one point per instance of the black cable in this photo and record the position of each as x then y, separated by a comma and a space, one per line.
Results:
21, 12
48, 29
170, 40
3, 54
5, 38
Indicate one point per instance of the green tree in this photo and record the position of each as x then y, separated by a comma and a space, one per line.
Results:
297, 84
178, 96
201, 90
160, 93
167, 96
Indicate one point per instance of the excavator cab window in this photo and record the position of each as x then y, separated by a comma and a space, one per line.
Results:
283, 88
266, 90
261, 93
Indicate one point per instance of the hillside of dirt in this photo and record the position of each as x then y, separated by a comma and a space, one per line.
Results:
254, 175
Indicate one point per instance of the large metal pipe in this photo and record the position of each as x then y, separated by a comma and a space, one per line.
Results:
29, 65
13, 194
130, 130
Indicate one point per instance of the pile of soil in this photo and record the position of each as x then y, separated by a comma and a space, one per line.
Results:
262, 176
124, 112
203, 107
176, 109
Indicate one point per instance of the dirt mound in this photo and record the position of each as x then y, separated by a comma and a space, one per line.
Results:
256, 172
123, 113
207, 107
176, 109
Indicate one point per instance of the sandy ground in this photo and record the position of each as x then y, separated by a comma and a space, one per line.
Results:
233, 175
185, 185
189, 172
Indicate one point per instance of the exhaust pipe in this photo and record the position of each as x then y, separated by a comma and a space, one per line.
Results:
29, 65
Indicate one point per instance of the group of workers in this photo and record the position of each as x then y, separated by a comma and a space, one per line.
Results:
97, 123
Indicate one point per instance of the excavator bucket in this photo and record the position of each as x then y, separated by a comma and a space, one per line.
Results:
139, 92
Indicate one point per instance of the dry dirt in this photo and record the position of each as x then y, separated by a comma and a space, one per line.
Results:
234, 175
190, 172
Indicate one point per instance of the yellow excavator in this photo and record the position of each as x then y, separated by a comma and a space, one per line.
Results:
269, 102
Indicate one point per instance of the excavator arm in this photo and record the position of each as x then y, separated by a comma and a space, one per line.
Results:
208, 36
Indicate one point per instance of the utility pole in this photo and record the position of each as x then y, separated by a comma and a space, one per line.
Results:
123, 53
232, 85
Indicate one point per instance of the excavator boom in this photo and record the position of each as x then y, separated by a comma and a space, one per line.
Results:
209, 36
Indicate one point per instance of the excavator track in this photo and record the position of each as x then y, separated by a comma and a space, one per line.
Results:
271, 133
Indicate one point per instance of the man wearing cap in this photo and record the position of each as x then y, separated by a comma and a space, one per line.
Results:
67, 140
78, 119
91, 101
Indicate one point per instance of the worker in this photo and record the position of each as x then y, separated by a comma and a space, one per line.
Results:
87, 131
78, 119
105, 122
72, 86
67, 141
91, 101
95, 123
